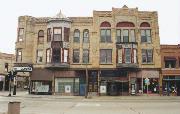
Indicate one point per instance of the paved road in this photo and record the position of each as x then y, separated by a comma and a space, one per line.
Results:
97, 105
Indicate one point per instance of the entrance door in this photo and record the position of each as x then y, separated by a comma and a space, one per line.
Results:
82, 89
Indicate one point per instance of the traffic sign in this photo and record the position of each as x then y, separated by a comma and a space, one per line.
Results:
146, 81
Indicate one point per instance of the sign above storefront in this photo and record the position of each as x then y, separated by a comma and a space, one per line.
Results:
22, 69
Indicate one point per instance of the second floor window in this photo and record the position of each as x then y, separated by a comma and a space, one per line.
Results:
40, 37
19, 55
39, 56
20, 34
147, 55
57, 34
127, 55
125, 35
56, 55
105, 56
85, 56
48, 55
170, 61
76, 56
76, 36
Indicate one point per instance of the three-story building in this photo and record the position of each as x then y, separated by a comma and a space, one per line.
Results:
114, 51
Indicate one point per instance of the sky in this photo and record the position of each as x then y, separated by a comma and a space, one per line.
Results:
10, 10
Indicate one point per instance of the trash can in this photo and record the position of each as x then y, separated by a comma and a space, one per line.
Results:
14, 107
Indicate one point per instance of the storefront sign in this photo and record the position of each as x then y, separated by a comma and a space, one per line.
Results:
67, 89
22, 69
102, 89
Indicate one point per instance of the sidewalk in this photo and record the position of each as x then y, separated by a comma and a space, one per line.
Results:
25, 94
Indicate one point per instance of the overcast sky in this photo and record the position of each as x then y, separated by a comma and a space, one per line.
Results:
10, 10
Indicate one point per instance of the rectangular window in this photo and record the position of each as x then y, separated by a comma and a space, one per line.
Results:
66, 34
119, 55
86, 36
105, 56
76, 56
56, 55
133, 38
118, 35
135, 55
146, 35
57, 34
20, 34
48, 55
65, 55
170, 63
125, 35
19, 55
48, 34
39, 56
147, 55
85, 56
105, 35
127, 55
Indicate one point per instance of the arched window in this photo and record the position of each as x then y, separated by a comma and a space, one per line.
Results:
105, 31
86, 36
76, 35
145, 32
125, 32
40, 36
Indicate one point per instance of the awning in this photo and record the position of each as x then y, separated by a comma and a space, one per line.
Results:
170, 58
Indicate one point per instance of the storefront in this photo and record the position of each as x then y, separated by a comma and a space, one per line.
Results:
152, 87
171, 85
114, 82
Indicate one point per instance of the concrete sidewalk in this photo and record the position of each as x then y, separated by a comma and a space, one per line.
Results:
25, 94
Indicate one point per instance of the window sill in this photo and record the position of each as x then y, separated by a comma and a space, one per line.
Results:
81, 64
147, 63
106, 63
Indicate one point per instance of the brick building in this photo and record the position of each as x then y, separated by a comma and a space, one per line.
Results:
170, 59
118, 49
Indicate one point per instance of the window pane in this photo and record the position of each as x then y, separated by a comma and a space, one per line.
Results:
65, 55
102, 56
19, 55
57, 30
20, 34
85, 56
86, 36
143, 36
109, 56
119, 55
133, 39
76, 36
144, 60
56, 56
149, 56
125, 36
127, 55
118, 35
135, 56
66, 34
39, 56
108, 35
76, 56
148, 35
103, 35
49, 34
48, 56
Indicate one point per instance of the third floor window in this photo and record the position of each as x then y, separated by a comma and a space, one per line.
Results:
147, 55
76, 36
40, 37
105, 32
57, 34
20, 34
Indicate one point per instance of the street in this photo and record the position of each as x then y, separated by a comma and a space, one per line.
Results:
39, 104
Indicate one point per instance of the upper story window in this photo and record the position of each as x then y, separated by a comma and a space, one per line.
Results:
76, 56
57, 34
19, 55
66, 34
48, 34
125, 32
20, 34
86, 36
40, 36
170, 62
85, 56
127, 52
105, 56
145, 32
48, 55
39, 56
65, 55
56, 55
76, 36
147, 55
105, 32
